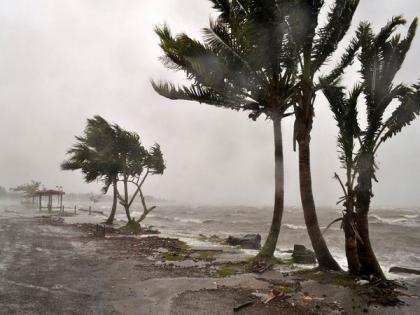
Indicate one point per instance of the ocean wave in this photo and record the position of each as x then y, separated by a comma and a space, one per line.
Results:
295, 227
411, 216
406, 220
181, 220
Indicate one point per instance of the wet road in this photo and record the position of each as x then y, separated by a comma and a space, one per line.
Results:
41, 273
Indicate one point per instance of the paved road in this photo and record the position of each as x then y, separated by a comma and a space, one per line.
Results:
41, 273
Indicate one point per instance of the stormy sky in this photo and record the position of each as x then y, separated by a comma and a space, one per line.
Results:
64, 61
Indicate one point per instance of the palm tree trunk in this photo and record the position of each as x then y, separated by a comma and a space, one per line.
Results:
111, 217
349, 222
369, 264
269, 247
325, 259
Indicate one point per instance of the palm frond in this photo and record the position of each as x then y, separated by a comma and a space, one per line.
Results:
328, 37
404, 114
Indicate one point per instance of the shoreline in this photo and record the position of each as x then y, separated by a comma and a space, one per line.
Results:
308, 290
162, 274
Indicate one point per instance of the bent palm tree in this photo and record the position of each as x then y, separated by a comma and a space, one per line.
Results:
247, 62
381, 57
92, 154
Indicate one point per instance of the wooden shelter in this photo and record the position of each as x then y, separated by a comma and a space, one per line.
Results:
49, 194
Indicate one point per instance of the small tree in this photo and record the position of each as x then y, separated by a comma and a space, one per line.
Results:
28, 190
94, 155
111, 154
136, 163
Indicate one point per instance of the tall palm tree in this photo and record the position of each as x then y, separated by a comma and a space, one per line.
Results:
92, 154
381, 57
314, 46
247, 62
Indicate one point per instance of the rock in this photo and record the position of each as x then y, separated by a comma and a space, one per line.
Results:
302, 255
249, 241
404, 270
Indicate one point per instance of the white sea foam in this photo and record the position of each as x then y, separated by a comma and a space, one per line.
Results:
295, 227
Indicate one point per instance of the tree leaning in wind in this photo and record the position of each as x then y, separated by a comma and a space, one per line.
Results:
246, 63
135, 165
381, 57
113, 155
94, 154
314, 46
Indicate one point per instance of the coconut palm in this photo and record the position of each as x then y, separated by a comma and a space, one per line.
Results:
381, 57
315, 45
246, 62
92, 154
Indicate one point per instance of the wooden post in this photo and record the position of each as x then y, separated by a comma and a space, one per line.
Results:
40, 202
75, 210
90, 210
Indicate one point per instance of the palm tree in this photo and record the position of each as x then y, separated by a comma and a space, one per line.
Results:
314, 45
345, 113
92, 154
247, 62
381, 57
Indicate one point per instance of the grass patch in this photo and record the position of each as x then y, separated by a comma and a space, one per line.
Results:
173, 257
133, 227
207, 255
182, 245
226, 271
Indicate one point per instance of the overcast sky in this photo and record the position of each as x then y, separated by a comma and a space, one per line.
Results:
64, 61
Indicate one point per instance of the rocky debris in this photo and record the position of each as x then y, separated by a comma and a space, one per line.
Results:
302, 255
249, 241
404, 270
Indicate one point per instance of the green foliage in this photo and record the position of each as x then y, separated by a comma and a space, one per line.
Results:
94, 153
227, 271
247, 59
107, 151
28, 189
381, 56
173, 257
134, 227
